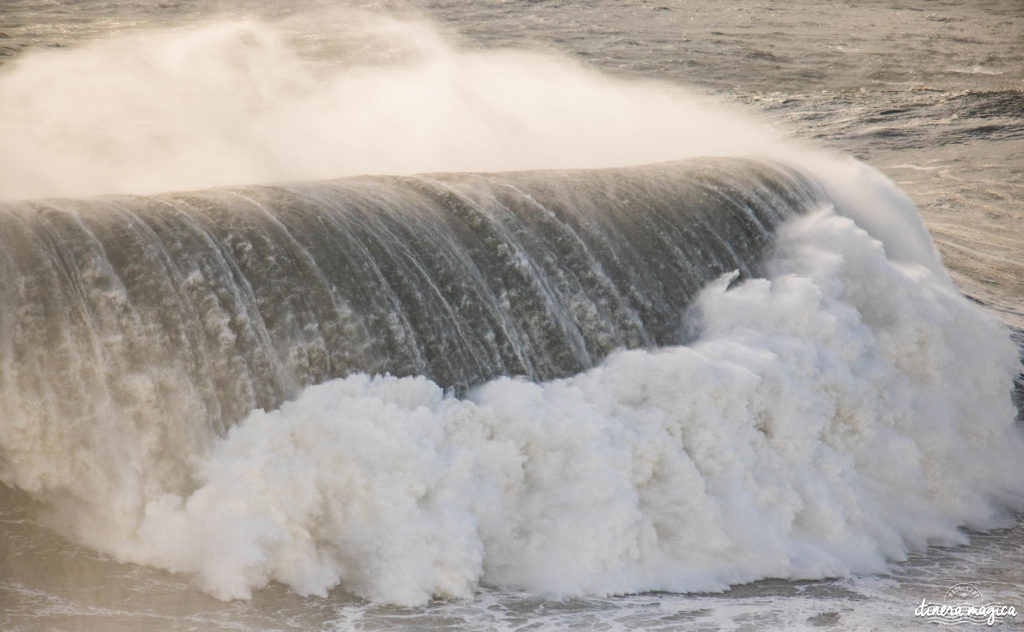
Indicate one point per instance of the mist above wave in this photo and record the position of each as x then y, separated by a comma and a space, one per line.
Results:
248, 101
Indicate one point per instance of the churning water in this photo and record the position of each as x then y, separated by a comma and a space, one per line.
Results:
474, 316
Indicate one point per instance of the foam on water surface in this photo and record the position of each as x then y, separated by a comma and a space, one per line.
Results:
827, 419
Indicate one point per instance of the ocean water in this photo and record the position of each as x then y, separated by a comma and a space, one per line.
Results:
702, 319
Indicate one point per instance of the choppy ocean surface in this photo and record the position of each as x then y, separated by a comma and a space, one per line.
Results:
819, 440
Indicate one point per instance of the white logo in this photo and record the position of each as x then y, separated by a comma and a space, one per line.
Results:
963, 603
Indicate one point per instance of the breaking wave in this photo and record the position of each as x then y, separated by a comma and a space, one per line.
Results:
676, 377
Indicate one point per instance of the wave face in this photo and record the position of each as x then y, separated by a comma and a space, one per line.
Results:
720, 379
179, 310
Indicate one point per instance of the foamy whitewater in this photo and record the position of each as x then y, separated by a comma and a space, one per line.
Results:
825, 403
827, 419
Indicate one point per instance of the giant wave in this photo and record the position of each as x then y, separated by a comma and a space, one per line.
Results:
678, 376
797, 403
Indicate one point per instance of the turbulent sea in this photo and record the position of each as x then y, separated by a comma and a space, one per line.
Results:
491, 315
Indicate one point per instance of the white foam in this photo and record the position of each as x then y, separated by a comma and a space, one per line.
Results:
829, 418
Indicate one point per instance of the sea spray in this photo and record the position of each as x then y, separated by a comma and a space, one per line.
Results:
241, 102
